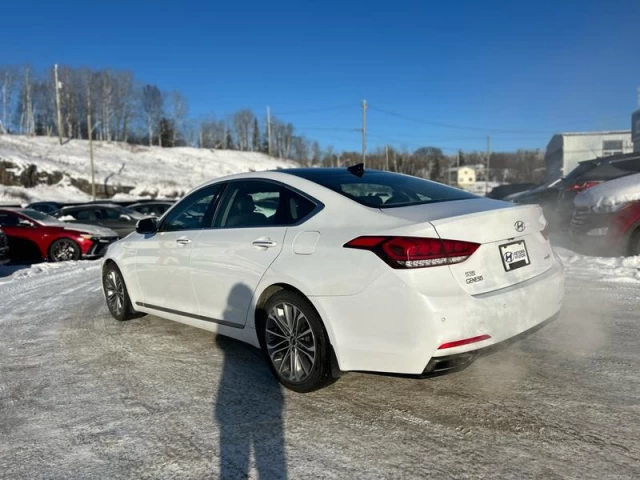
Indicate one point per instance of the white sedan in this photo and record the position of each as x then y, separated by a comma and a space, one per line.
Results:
335, 270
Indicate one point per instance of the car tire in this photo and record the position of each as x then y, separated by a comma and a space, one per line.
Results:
117, 295
295, 342
634, 243
64, 250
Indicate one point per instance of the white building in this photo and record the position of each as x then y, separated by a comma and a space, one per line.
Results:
462, 176
566, 150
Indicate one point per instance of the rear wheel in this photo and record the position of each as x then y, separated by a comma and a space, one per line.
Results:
295, 343
116, 294
64, 249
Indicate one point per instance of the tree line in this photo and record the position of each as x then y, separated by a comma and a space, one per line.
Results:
114, 105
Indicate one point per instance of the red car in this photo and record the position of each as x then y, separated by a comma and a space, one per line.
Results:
613, 233
35, 235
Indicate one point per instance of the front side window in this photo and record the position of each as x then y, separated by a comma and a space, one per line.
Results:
191, 212
261, 204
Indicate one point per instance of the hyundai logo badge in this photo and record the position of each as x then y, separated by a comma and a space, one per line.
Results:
519, 226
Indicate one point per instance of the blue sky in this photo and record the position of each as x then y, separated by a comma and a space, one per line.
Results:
528, 67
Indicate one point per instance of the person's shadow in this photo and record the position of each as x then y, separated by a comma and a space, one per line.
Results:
248, 407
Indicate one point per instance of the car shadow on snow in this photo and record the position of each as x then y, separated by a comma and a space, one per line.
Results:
249, 408
11, 268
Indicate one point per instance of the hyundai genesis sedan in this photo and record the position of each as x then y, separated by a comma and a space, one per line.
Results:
333, 270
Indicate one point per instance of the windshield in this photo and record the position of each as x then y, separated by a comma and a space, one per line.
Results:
380, 189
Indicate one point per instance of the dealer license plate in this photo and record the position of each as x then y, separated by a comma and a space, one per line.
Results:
514, 255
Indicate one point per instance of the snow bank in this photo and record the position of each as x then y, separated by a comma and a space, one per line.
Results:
617, 269
150, 170
61, 192
10, 273
611, 193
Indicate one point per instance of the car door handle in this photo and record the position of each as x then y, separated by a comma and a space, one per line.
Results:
264, 243
183, 241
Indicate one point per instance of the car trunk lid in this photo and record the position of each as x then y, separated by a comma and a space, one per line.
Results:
512, 248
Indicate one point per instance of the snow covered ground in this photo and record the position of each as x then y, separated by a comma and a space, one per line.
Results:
162, 171
85, 396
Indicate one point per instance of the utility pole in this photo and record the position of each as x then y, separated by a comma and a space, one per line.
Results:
55, 75
90, 132
486, 182
386, 157
269, 129
364, 133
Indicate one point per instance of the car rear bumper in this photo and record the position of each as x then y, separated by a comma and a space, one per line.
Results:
392, 328
454, 363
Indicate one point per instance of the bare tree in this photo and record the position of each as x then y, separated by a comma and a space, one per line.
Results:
27, 120
8, 84
242, 122
178, 112
316, 154
152, 104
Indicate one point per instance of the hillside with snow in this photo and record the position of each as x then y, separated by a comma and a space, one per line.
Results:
138, 170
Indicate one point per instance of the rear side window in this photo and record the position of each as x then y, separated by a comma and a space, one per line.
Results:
383, 189
8, 220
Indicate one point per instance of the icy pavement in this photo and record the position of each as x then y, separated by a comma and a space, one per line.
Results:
84, 396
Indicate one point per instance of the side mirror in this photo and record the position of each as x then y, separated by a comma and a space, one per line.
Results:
25, 223
125, 217
147, 226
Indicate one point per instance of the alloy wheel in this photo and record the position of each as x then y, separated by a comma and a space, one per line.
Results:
63, 251
114, 287
290, 342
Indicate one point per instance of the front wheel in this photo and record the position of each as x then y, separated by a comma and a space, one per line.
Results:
64, 249
295, 343
116, 294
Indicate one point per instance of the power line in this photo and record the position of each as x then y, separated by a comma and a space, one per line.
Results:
458, 127
316, 110
332, 129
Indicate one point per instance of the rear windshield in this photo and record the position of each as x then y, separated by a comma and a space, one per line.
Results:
580, 170
382, 189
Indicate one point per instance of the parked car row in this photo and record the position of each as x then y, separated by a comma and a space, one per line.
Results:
612, 227
53, 231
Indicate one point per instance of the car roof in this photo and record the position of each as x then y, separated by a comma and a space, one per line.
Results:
90, 205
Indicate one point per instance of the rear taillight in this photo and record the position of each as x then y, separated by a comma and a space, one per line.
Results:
579, 187
413, 252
